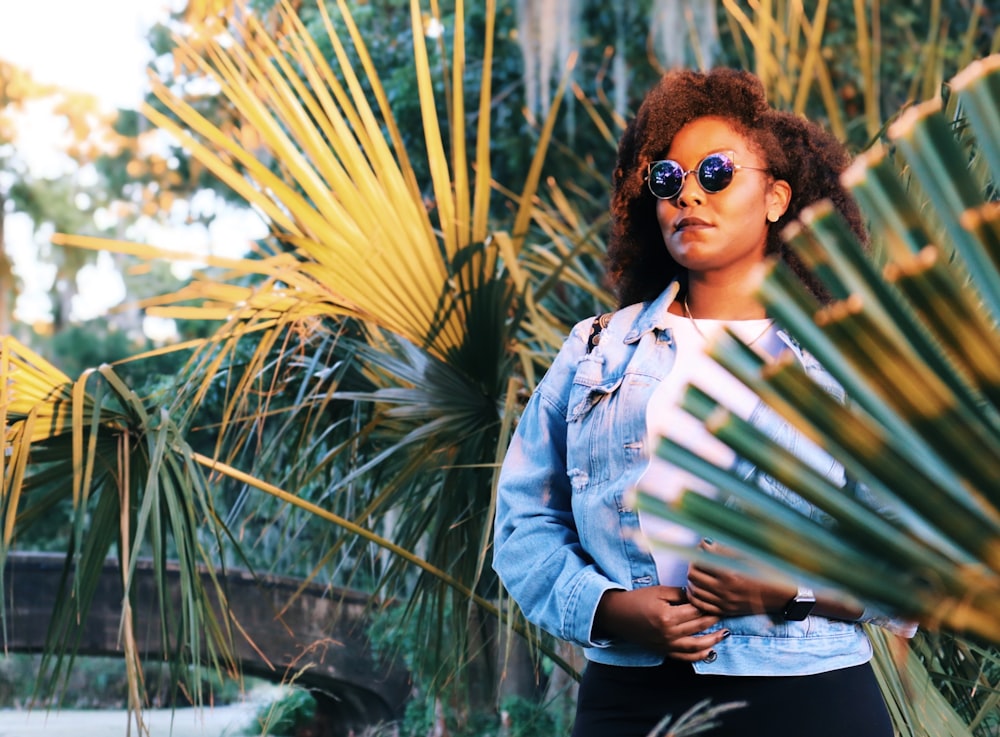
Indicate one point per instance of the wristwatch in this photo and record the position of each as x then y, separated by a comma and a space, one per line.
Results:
801, 605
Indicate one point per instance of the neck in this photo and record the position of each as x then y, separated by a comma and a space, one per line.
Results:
722, 302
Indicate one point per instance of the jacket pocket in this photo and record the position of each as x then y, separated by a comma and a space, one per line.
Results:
588, 389
590, 429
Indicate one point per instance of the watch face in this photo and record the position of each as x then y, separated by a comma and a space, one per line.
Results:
800, 607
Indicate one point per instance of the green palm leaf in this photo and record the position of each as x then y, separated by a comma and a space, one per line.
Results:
916, 347
135, 490
913, 338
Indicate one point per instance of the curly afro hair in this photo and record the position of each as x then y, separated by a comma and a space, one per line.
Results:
802, 153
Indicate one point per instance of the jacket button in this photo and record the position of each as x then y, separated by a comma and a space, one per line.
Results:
711, 657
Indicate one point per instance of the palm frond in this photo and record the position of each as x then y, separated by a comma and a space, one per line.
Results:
134, 490
916, 347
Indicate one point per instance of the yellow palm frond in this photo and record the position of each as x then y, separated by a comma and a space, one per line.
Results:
32, 387
323, 161
788, 71
346, 201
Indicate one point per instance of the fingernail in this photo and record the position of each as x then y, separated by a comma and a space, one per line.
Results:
709, 541
725, 634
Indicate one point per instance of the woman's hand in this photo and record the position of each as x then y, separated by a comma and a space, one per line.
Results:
726, 593
657, 617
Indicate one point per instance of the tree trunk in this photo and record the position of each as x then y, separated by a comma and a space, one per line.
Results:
8, 292
684, 34
517, 669
562, 688
619, 65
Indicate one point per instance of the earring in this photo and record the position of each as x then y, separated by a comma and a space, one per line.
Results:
772, 218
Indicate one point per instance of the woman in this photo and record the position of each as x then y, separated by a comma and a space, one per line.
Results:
707, 176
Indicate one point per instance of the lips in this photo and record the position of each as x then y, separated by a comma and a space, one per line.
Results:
689, 222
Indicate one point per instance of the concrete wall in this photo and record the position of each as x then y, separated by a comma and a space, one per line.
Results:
316, 638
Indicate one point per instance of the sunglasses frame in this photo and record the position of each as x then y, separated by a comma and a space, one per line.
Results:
696, 170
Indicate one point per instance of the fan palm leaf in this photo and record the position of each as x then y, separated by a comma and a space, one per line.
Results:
916, 346
134, 489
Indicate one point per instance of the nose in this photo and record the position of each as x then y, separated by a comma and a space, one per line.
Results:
691, 192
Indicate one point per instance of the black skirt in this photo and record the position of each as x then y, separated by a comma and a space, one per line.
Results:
616, 701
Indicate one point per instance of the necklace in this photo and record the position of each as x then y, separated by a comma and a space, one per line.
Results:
694, 323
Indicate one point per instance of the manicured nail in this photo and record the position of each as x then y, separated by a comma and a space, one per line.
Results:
725, 634
709, 541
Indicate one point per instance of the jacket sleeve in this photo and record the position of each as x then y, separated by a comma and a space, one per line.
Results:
537, 551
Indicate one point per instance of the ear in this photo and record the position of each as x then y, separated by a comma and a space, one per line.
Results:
779, 195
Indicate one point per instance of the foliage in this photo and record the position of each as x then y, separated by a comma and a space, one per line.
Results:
526, 718
90, 187
81, 346
579, 147
518, 717
132, 483
436, 319
102, 683
856, 65
370, 355
469, 708
295, 708
967, 672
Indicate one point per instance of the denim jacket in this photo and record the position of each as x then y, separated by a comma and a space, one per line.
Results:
566, 532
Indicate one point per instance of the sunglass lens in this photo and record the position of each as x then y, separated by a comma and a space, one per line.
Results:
665, 178
715, 172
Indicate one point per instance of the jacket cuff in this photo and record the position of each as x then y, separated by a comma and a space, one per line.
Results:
895, 625
581, 615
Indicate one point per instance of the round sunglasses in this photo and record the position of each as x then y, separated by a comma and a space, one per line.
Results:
715, 172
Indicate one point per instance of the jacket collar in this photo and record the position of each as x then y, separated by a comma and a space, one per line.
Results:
653, 314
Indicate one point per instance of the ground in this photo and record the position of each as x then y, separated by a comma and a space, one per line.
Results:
222, 721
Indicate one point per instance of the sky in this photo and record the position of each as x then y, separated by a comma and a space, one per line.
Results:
89, 45
95, 46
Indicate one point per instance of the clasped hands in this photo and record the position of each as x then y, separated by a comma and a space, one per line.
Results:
670, 618
728, 593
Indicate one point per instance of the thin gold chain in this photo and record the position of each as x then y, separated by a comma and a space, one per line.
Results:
687, 313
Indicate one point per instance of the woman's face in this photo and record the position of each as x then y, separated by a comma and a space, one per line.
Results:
722, 234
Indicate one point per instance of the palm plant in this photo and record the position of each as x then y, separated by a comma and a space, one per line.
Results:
373, 350
836, 60
370, 348
135, 488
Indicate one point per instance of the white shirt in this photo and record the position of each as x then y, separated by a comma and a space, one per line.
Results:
665, 418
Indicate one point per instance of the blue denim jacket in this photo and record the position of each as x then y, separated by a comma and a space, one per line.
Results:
565, 529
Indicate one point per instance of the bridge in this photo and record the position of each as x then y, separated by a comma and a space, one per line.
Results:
316, 638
